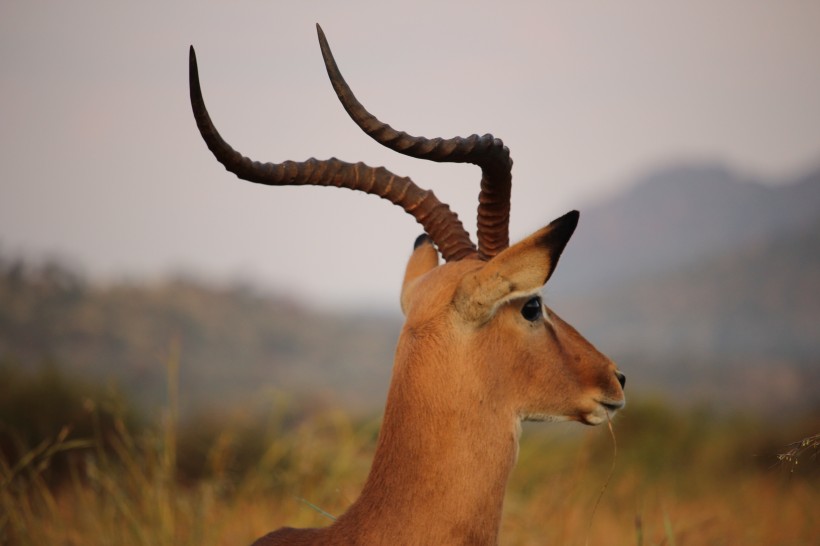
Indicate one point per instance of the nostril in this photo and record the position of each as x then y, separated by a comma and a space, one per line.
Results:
621, 379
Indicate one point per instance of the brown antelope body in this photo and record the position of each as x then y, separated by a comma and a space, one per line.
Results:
479, 352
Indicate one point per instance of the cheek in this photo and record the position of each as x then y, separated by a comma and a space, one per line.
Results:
548, 380
525, 368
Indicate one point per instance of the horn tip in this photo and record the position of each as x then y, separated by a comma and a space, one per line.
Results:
193, 70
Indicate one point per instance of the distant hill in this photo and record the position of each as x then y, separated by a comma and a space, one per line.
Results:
236, 343
700, 283
706, 285
677, 215
762, 300
743, 326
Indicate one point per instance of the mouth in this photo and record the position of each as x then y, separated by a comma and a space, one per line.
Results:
604, 411
612, 406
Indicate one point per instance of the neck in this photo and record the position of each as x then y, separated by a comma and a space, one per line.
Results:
440, 468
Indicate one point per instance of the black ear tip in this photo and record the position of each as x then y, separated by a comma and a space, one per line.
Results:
422, 239
568, 222
559, 232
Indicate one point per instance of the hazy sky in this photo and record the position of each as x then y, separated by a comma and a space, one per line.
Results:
101, 162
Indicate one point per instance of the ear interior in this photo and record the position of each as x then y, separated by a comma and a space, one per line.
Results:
423, 259
519, 270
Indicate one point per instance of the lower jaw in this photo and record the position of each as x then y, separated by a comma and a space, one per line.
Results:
592, 419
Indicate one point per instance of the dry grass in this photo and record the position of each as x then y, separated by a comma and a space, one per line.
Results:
132, 496
805, 449
678, 479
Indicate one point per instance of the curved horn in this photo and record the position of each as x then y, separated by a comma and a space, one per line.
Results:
443, 225
486, 151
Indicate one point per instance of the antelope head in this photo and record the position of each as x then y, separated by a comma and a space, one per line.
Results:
479, 351
499, 338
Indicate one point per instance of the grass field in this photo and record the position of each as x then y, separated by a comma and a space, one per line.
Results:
676, 478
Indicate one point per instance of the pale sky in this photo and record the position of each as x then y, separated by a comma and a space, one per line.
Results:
101, 162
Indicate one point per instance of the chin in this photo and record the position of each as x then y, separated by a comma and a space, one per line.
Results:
598, 416
544, 418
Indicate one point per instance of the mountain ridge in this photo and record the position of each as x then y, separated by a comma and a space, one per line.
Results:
681, 214
728, 316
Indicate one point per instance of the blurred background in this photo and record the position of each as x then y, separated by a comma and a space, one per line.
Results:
167, 328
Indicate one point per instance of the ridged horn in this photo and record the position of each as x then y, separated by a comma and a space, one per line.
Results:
486, 151
443, 225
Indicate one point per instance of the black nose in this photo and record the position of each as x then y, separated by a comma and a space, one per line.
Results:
621, 379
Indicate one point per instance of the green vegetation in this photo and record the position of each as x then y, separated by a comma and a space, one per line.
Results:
85, 470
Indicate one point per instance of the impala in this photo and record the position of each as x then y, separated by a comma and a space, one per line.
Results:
479, 351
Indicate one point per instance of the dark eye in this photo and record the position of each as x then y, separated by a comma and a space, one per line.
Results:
533, 309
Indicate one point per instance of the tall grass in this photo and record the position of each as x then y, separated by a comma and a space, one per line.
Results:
682, 478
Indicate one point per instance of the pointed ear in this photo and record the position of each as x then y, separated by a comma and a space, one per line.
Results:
423, 259
519, 270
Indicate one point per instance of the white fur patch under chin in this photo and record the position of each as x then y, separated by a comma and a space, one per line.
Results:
598, 416
544, 418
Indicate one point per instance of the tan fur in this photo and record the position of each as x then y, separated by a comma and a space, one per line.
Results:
423, 259
518, 271
475, 356
468, 368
